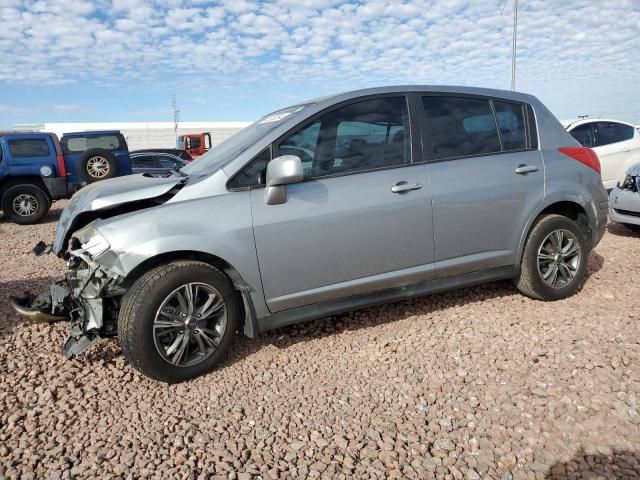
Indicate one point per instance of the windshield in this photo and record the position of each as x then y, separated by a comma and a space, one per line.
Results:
223, 153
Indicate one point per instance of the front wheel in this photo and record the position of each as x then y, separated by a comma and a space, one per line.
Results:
178, 320
25, 204
554, 260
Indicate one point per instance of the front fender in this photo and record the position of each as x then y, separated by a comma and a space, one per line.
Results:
219, 225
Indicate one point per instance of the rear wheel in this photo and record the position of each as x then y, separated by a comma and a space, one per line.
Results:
632, 227
25, 204
179, 320
554, 260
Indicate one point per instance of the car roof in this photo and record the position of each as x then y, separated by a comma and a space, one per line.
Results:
581, 121
91, 132
453, 89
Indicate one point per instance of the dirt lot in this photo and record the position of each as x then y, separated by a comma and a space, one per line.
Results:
479, 383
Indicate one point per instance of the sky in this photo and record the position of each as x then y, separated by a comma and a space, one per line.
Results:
236, 60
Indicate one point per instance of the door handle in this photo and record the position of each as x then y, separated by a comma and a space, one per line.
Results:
524, 169
402, 187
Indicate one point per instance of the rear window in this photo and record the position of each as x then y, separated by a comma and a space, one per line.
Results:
29, 147
81, 143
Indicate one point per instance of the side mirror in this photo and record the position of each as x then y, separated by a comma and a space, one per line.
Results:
282, 171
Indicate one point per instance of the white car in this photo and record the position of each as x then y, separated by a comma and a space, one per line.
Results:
624, 201
616, 143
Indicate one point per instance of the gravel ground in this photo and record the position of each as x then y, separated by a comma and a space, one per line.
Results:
479, 383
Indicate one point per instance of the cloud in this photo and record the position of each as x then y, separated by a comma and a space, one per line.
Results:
577, 48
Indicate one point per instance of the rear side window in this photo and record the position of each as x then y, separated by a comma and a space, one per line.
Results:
460, 126
510, 118
29, 147
612, 132
584, 135
80, 144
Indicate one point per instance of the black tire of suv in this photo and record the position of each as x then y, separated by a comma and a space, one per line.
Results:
632, 227
109, 159
529, 280
10, 195
138, 309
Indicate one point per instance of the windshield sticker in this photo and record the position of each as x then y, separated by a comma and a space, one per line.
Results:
275, 117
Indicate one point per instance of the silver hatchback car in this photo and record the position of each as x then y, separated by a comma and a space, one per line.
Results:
327, 206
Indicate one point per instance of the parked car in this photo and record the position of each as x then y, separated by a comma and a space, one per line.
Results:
624, 200
616, 143
36, 168
32, 175
183, 154
157, 164
429, 196
95, 155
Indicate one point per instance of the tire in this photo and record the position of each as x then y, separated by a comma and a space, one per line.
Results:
97, 164
147, 345
25, 204
632, 227
570, 269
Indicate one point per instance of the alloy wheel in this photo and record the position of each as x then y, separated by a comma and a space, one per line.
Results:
98, 167
25, 205
559, 258
190, 324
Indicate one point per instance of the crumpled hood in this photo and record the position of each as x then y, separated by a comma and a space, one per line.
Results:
110, 193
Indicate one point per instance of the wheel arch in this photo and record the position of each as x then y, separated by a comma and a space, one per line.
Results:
249, 322
12, 181
569, 207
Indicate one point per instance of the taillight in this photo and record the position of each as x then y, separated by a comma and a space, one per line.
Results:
583, 155
62, 168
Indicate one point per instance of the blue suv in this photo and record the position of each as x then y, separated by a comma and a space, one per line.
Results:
36, 168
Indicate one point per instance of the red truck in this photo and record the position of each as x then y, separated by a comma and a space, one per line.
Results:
195, 143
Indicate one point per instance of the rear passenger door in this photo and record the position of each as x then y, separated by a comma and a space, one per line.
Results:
487, 178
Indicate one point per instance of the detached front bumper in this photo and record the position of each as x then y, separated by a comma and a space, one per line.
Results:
88, 297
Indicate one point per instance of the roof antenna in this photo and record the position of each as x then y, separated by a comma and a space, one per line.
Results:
515, 40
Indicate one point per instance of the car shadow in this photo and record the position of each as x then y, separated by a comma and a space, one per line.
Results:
619, 465
620, 230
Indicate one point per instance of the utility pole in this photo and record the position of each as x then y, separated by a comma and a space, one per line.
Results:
515, 41
176, 117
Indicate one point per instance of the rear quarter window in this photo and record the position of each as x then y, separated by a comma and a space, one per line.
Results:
29, 147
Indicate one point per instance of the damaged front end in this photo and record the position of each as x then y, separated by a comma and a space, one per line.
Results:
88, 295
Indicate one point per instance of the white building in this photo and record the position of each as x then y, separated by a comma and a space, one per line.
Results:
141, 135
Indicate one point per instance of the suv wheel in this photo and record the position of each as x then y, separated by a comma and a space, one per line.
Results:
554, 260
179, 320
97, 164
25, 204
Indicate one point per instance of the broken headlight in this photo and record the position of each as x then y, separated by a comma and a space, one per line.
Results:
630, 183
90, 241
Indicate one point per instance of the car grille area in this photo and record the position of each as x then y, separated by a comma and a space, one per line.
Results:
627, 212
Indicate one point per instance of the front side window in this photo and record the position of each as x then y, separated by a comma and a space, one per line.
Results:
510, 118
29, 147
194, 142
361, 136
584, 135
460, 126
